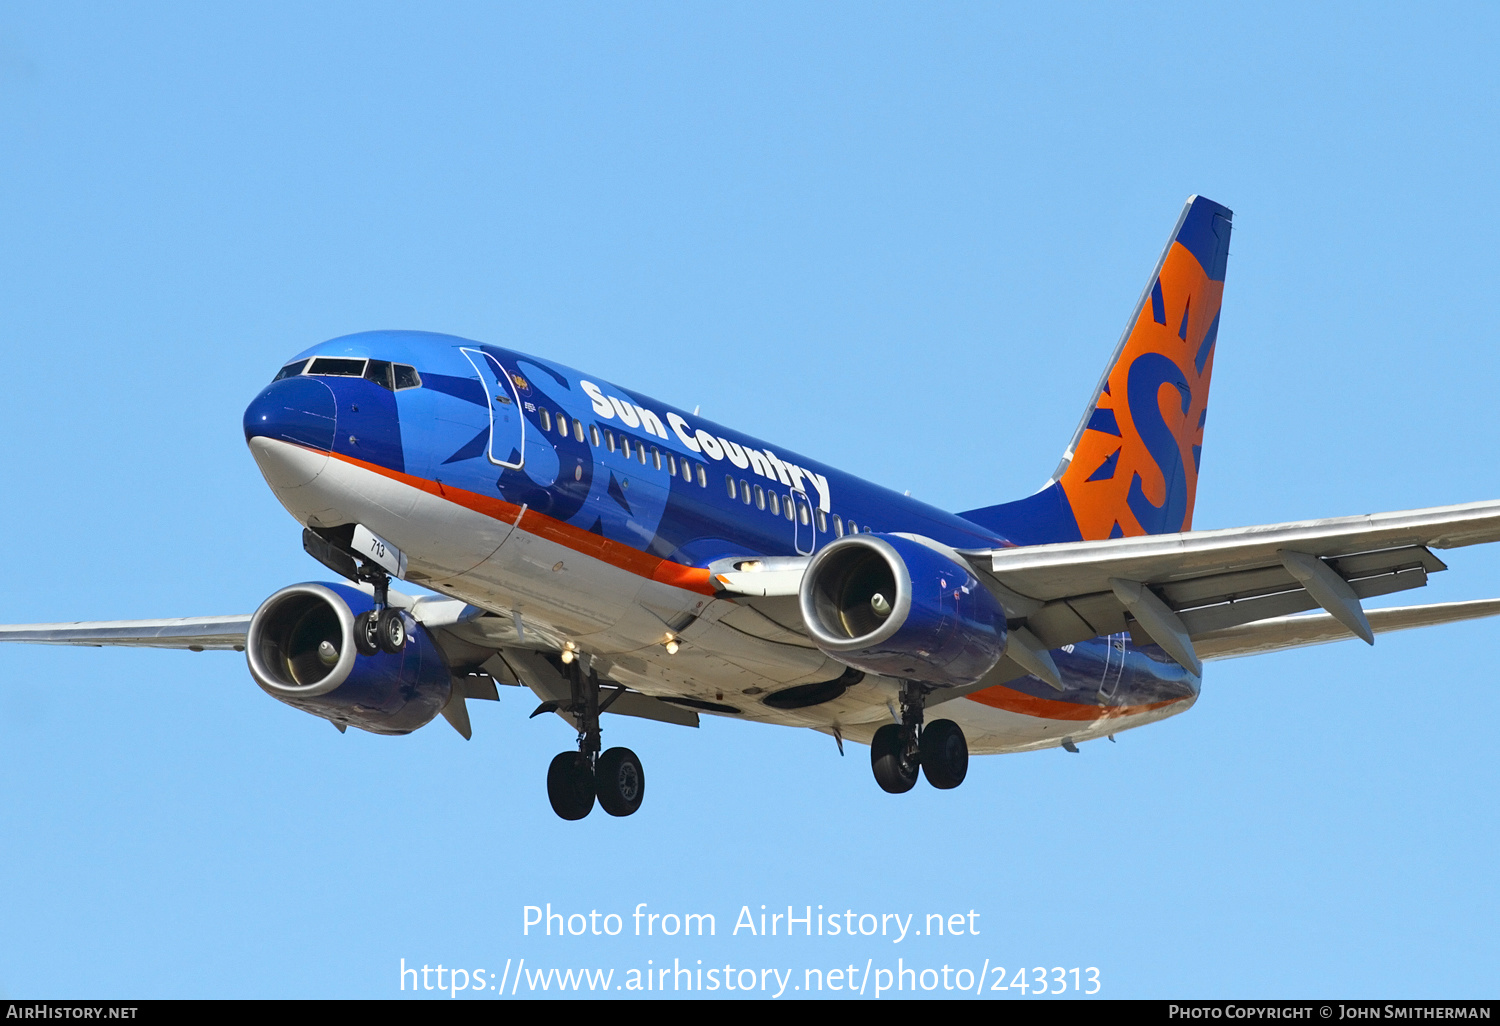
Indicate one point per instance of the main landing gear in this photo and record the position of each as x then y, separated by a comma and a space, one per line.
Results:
938, 748
575, 779
380, 629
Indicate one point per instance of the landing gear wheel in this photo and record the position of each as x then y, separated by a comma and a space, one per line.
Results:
945, 754
570, 785
364, 634
892, 759
620, 782
390, 631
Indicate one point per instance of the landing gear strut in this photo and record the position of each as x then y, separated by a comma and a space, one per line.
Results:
938, 748
574, 779
380, 629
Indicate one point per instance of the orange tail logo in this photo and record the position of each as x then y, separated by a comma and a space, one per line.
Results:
1134, 466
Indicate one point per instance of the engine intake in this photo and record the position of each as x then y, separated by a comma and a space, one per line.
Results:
301, 651
292, 637
890, 605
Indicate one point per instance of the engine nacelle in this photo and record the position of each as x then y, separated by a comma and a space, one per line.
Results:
301, 651
889, 605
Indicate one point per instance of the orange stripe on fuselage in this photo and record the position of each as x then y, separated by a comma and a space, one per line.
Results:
1001, 697
618, 554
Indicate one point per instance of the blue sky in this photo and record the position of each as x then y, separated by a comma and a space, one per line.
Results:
901, 238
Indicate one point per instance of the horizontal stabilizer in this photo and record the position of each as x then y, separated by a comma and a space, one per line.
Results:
1320, 628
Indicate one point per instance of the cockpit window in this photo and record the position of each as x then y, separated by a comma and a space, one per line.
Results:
337, 366
384, 373
378, 371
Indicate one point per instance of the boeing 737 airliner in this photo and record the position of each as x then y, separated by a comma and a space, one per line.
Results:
615, 554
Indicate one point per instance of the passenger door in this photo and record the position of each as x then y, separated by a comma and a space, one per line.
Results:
507, 424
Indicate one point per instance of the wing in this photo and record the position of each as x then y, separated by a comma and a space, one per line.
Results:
195, 633
482, 649
1174, 588
1180, 590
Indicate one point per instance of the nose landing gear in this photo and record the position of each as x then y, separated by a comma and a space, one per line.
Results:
574, 779
898, 750
380, 629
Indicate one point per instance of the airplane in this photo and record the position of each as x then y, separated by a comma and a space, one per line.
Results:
615, 554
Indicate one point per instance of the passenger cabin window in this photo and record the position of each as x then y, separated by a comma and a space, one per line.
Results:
802, 513
853, 527
407, 377
760, 497
729, 485
838, 525
822, 521
786, 507
702, 477
562, 424
775, 504
640, 453
338, 367
546, 419
577, 430
594, 434
291, 370
609, 439
625, 446
745, 492
671, 464
379, 371
687, 470
656, 457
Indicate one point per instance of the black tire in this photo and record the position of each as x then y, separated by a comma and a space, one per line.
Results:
364, 633
570, 786
619, 781
390, 631
945, 754
895, 772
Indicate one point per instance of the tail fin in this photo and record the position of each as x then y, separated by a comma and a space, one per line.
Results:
1132, 466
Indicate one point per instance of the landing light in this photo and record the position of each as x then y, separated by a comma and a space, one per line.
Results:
672, 646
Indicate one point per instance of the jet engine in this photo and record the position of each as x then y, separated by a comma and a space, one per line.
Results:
301, 651
886, 604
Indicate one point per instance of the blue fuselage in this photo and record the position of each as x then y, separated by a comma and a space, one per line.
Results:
624, 478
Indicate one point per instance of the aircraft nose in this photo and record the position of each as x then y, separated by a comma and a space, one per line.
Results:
289, 428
